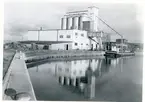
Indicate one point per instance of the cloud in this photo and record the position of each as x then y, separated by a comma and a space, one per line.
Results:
20, 17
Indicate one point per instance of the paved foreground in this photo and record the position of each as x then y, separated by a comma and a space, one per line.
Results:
18, 78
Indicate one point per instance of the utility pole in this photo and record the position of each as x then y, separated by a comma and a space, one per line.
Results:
39, 33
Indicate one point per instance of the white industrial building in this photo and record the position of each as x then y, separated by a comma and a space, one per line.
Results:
76, 32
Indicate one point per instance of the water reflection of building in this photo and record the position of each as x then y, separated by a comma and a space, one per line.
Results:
70, 72
76, 68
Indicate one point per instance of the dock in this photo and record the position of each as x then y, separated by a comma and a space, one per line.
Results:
114, 54
35, 56
17, 77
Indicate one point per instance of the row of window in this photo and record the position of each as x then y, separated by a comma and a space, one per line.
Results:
68, 36
67, 70
81, 44
81, 34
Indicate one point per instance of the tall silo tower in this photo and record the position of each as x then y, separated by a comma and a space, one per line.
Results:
63, 22
93, 14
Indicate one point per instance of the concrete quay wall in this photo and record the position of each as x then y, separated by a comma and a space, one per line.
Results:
18, 78
55, 55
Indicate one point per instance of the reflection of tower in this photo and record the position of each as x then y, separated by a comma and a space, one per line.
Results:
92, 87
67, 80
74, 81
121, 67
61, 80
37, 69
100, 65
89, 90
55, 70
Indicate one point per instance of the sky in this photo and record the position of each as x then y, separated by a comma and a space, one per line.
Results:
20, 17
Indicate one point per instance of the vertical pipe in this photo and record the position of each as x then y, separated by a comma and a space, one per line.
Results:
63, 23
80, 23
73, 20
76, 23
67, 23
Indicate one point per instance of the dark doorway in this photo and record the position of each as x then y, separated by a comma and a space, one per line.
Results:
66, 46
46, 47
96, 47
91, 46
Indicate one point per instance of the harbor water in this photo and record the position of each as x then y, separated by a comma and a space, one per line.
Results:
96, 79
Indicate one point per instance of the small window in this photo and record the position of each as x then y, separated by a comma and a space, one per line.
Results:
68, 36
61, 36
74, 72
76, 34
82, 34
80, 72
59, 69
76, 44
87, 44
67, 70
75, 62
81, 43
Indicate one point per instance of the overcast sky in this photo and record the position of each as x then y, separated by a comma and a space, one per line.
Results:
20, 17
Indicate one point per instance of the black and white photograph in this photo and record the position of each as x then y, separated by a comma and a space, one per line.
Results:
61, 51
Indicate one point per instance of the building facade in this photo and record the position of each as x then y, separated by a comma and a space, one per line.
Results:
122, 45
74, 33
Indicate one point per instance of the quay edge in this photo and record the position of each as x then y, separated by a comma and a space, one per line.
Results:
37, 56
18, 78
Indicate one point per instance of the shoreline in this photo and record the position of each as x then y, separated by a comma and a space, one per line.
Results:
42, 61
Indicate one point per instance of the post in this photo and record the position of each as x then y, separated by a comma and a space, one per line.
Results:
38, 34
122, 44
57, 34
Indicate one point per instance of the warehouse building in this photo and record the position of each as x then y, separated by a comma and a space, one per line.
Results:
75, 33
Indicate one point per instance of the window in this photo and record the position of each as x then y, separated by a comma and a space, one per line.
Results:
76, 34
74, 72
59, 69
81, 43
80, 72
87, 44
67, 70
82, 34
68, 36
75, 62
61, 36
76, 44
